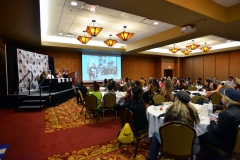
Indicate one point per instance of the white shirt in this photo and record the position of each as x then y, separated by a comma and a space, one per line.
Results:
49, 76
229, 83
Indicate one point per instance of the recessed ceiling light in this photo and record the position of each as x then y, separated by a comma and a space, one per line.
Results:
155, 23
60, 33
74, 3
228, 41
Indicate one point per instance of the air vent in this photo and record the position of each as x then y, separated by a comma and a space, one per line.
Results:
70, 35
89, 7
148, 21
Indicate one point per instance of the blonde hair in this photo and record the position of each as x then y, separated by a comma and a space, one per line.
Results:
229, 101
187, 112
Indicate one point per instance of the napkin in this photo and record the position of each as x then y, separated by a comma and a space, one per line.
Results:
59, 80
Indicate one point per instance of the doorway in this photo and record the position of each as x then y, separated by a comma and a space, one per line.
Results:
168, 73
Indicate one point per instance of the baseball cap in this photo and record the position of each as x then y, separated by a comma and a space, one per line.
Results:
231, 93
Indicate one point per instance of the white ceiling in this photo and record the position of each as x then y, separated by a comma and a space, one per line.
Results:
61, 17
215, 42
226, 3
65, 18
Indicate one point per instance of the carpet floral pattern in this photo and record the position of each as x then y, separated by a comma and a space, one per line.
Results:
67, 115
109, 151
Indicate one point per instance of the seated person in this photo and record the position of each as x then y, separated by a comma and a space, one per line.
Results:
97, 94
65, 73
215, 86
142, 81
50, 76
206, 85
128, 94
43, 76
110, 90
147, 91
199, 81
57, 74
137, 106
230, 81
180, 110
222, 134
167, 91
82, 88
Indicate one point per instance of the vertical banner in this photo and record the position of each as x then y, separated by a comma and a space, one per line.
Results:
29, 61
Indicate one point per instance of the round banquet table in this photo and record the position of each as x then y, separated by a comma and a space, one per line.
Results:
156, 119
118, 95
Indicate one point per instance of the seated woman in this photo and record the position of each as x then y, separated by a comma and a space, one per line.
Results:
65, 73
97, 94
43, 76
222, 134
199, 81
57, 74
167, 91
206, 85
180, 110
137, 106
182, 85
147, 92
215, 86
128, 94
104, 84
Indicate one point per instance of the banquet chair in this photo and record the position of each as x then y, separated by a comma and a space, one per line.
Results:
235, 153
75, 93
216, 98
177, 140
109, 102
127, 116
90, 104
125, 87
158, 99
81, 100
196, 98
192, 88
153, 92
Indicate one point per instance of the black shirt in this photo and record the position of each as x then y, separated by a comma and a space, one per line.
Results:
138, 107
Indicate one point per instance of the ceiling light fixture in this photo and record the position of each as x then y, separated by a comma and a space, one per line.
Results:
155, 23
110, 42
124, 35
205, 48
73, 3
193, 46
186, 51
60, 33
228, 41
94, 30
84, 39
174, 50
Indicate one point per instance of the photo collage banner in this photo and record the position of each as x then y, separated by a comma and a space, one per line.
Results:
30, 61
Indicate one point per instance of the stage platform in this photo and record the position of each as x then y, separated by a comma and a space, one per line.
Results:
56, 98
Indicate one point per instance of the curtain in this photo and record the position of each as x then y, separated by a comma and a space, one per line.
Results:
12, 69
51, 64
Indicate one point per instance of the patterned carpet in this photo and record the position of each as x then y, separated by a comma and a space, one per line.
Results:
109, 151
67, 115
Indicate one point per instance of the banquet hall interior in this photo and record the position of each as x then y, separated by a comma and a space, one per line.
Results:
161, 34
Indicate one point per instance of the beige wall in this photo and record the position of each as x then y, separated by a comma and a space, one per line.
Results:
219, 65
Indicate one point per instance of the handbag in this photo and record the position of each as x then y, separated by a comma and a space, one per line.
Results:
126, 134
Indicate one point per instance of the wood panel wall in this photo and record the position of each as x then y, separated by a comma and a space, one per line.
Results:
135, 67
219, 65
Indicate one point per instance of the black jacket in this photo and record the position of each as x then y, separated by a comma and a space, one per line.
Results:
225, 128
138, 107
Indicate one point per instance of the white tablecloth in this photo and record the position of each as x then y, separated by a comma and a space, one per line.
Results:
118, 95
102, 89
200, 92
155, 122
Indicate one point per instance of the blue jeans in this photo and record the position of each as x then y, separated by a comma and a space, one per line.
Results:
156, 143
155, 146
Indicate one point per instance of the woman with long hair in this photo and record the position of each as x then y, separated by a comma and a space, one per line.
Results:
167, 91
180, 110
